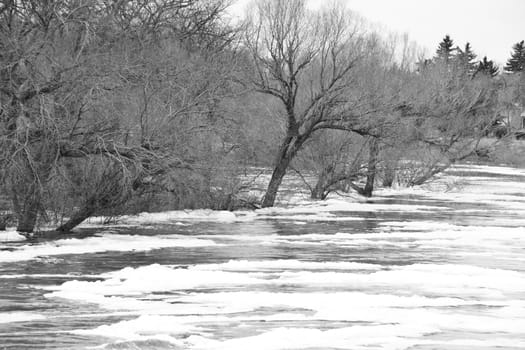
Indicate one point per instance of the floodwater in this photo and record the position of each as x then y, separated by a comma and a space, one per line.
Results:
439, 267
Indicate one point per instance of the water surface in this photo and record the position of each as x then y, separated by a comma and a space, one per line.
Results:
440, 267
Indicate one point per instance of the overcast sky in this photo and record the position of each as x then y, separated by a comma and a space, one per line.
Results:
492, 27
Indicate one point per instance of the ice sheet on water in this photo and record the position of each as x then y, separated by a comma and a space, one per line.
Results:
406, 297
499, 241
9, 317
307, 217
413, 290
343, 205
178, 217
497, 170
145, 327
398, 335
451, 279
147, 279
276, 304
258, 265
356, 337
100, 243
405, 314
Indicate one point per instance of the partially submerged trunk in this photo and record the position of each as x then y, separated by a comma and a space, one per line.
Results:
28, 175
321, 189
389, 175
78, 217
371, 169
27, 220
429, 174
108, 195
3, 222
288, 150
275, 182
26, 210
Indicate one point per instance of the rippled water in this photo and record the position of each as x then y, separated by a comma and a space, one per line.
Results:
442, 267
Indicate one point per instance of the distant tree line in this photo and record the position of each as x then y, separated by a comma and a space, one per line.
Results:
113, 107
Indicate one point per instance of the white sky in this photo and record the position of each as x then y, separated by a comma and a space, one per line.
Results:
491, 26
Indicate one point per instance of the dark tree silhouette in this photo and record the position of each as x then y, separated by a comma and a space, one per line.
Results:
516, 62
487, 67
466, 59
445, 50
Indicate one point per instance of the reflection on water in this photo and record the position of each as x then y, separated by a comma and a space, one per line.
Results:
412, 269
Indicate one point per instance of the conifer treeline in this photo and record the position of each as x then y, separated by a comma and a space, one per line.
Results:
465, 57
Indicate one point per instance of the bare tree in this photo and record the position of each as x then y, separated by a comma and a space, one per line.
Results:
306, 61
379, 79
449, 116
67, 68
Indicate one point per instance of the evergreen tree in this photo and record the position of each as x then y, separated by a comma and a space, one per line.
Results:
516, 62
445, 50
487, 67
466, 58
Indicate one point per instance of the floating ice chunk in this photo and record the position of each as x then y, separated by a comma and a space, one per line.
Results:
142, 328
103, 243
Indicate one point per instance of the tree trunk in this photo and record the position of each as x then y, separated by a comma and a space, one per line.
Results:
275, 182
3, 223
371, 169
323, 183
389, 175
30, 174
287, 152
428, 175
318, 192
27, 213
77, 218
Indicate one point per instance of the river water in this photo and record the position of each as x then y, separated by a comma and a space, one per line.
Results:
438, 267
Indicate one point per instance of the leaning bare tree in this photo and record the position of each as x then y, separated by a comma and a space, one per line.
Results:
306, 61
379, 79
450, 115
